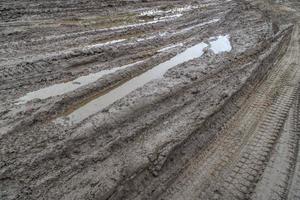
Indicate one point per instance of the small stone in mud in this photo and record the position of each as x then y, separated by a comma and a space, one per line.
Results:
105, 110
224, 95
193, 78
195, 92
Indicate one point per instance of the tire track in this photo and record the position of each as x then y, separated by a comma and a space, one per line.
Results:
198, 118
241, 179
294, 189
203, 171
279, 171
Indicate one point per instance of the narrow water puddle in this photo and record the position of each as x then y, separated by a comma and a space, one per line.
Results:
62, 88
103, 44
154, 12
170, 47
199, 25
156, 20
156, 72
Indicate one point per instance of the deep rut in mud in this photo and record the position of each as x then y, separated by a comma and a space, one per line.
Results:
150, 99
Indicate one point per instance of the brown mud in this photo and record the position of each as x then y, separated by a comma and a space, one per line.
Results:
146, 99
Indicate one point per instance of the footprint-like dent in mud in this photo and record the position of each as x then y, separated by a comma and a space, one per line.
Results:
62, 88
216, 44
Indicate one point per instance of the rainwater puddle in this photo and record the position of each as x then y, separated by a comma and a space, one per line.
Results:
220, 44
154, 12
217, 44
199, 25
170, 47
103, 44
62, 88
156, 20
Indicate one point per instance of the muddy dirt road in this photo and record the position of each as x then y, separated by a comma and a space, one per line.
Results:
150, 99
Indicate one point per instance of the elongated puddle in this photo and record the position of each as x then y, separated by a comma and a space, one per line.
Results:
62, 88
218, 44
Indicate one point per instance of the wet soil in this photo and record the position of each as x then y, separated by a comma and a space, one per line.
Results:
149, 99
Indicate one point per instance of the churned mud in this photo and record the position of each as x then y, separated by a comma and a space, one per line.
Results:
150, 99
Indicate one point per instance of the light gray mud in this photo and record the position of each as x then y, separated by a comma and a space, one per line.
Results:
166, 99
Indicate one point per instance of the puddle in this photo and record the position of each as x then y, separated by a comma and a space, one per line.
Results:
156, 72
154, 12
103, 44
162, 34
220, 44
170, 47
62, 88
156, 20
199, 25
168, 17
115, 28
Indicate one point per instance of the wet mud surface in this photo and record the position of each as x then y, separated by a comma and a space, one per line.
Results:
149, 99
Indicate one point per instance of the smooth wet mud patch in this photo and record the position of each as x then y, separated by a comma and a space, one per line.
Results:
216, 44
